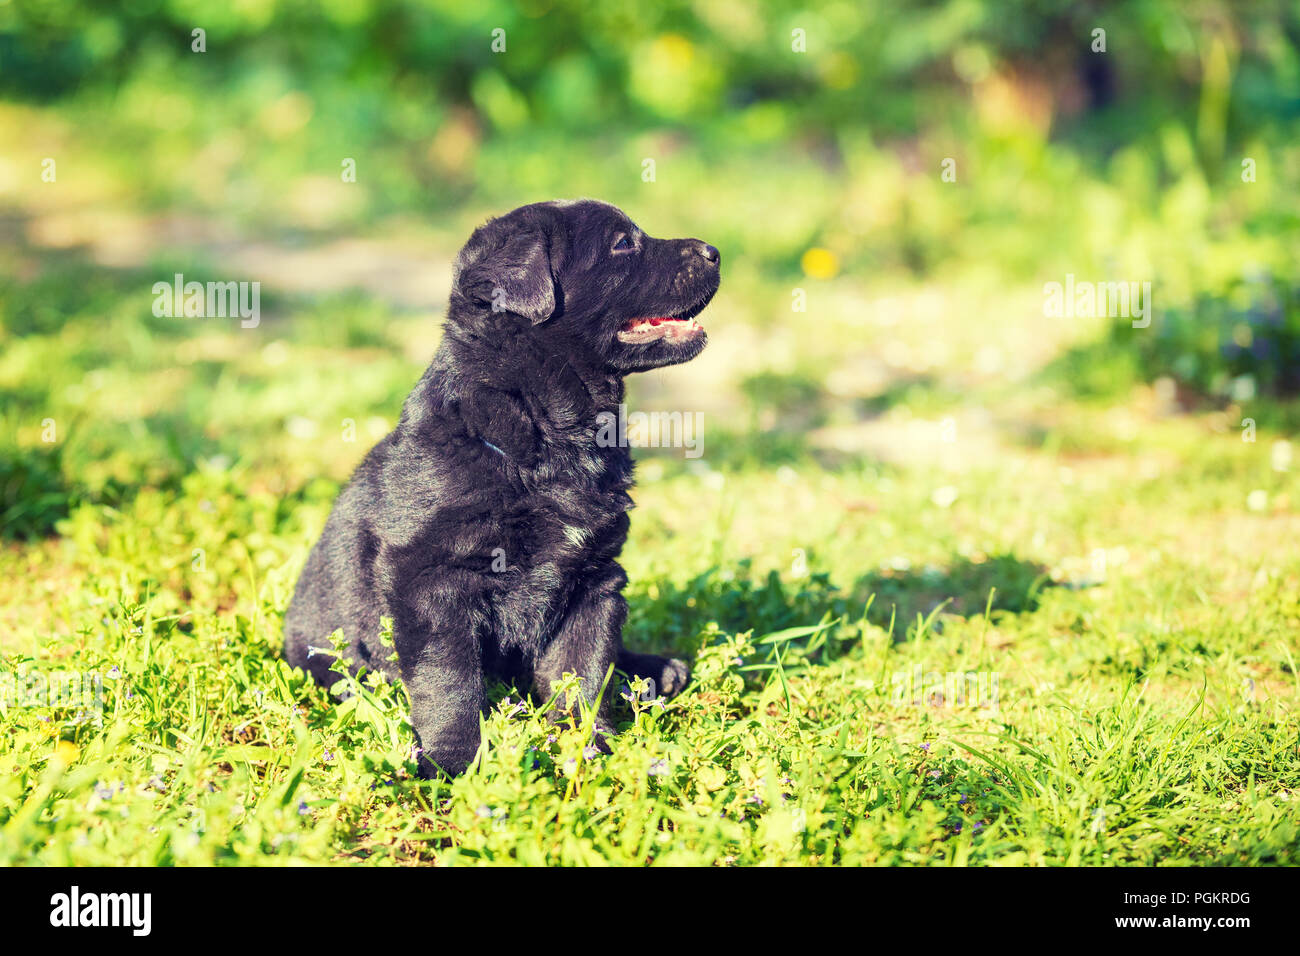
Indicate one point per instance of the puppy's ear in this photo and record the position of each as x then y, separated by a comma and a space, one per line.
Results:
508, 271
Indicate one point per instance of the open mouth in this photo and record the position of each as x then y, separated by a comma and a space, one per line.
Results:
641, 331
680, 328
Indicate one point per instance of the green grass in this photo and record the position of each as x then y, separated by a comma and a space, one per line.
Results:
1136, 616
1138, 721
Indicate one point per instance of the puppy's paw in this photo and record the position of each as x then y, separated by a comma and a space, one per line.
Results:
676, 675
446, 768
446, 761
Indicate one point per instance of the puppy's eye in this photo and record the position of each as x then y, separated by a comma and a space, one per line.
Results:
623, 244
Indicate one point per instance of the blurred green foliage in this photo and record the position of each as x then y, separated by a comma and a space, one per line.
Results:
32, 493
817, 168
1243, 342
1058, 149
583, 66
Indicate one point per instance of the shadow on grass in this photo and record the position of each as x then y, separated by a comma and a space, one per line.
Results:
965, 588
33, 492
666, 616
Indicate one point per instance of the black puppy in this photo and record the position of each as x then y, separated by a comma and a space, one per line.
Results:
488, 523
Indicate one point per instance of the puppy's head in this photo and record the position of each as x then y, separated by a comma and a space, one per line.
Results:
587, 279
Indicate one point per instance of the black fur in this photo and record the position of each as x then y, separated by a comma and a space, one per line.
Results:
496, 459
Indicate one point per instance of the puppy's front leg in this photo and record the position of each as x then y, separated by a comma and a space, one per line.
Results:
586, 644
441, 662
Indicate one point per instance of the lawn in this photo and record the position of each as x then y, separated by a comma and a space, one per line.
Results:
982, 625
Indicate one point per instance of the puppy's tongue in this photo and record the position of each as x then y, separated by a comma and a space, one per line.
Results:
641, 331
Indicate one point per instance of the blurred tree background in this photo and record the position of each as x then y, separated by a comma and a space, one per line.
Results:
1140, 140
443, 112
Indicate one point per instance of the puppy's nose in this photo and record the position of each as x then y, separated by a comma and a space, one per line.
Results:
710, 253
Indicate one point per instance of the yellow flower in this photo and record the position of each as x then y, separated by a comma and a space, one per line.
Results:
820, 263
673, 51
65, 752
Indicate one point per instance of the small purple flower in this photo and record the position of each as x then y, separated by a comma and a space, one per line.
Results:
925, 747
303, 809
658, 768
103, 792
590, 752
977, 827
962, 800
113, 673
756, 799
936, 774
415, 753
327, 756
